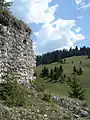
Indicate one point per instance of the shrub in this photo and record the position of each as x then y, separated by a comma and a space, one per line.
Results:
13, 93
47, 97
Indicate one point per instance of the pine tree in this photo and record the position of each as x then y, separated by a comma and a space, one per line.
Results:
55, 76
61, 61
74, 69
61, 69
72, 62
55, 69
76, 89
68, 80
62, 79
45, 72
51, 74
80, 71
80, 62
64, 75
88, 56
64, 60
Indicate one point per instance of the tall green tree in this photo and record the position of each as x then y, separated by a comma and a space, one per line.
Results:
51, 74
61, 69
58, 72
74, 69
80, 71
45, 72
55, 69
64, 60
76, 89
80, 62
55, 76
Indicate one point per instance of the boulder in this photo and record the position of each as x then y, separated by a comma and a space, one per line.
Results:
83, 113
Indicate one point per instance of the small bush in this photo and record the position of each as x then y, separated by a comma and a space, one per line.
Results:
13, 93
47, 97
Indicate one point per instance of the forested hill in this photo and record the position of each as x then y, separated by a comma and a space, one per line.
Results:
55, 56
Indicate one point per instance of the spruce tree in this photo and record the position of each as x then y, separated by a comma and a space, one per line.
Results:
45, 72
72, 62
68, 80
64, 75
51, 74
80, 71
55, 69
80, 62
61, 61
76, 89
61, 69
64, 60
88, 56
62, 79
74, 69
55, 76
58, 74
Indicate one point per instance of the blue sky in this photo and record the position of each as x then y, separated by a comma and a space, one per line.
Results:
56, 24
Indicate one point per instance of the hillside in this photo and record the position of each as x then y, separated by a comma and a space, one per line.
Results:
57, 108
21, 96
62, 89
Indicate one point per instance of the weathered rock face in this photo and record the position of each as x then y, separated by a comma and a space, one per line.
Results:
16, 52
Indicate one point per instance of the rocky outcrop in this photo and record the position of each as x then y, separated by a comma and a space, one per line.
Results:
75, 106
16, 50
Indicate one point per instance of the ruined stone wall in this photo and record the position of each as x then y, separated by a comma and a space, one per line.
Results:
16, 52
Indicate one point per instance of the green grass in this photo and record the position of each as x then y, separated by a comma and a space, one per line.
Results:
62, 89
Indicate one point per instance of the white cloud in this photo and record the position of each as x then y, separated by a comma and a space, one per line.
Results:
85, 6
78, 1
58, 34
35, 11
8, 0
82, 4
53, 34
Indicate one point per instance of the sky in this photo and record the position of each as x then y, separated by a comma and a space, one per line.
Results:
55, 24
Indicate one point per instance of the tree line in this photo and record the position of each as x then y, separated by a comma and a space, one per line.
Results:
55, 56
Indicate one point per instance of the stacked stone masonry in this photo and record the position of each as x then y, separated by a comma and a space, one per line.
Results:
16, 53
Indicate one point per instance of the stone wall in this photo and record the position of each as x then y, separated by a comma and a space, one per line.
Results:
16, 51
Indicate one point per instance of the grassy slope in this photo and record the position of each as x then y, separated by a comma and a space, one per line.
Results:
62, 89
